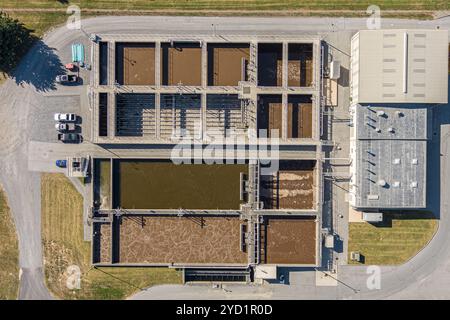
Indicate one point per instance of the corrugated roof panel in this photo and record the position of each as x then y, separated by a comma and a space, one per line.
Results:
381, 59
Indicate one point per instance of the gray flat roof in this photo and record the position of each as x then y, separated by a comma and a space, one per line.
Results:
391, 166
392, 122
402, 166
406, 66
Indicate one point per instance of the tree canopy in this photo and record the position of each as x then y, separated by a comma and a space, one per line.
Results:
15, 39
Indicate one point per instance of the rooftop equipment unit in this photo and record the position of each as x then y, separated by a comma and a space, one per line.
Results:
78, 166
329, 241
335, 69
382, 183
372, 216
355, 256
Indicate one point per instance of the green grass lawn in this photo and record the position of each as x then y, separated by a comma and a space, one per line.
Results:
232, 4
62, 237
39, 23
393, 242
9, 253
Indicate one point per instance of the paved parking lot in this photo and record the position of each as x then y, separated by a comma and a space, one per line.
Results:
43, 126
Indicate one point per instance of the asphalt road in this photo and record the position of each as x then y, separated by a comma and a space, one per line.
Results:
23, 98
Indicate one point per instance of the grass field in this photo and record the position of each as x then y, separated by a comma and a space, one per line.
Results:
9, 253
62, 236
395, 241
231, 4
39, 22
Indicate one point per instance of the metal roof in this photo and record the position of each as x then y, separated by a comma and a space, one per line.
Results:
379, 121
400, 66
390, 165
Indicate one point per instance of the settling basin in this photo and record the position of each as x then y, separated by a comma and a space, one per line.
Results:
102, 183
160, 184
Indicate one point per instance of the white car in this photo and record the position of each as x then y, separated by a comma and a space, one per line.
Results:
64, 78
63, 127
65, 117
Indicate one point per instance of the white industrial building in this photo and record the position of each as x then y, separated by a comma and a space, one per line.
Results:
399, 66
396, 75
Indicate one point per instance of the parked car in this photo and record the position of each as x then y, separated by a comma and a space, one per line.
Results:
63, 127
70, 66
66, 78
61, 163
69, 137
65, 117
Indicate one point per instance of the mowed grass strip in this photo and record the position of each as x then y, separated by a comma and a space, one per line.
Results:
230, 4
9, 253
39, 22
393, 242
62, 237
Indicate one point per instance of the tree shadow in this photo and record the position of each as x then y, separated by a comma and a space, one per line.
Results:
39, 68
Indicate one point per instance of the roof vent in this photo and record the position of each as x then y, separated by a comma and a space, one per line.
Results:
382, 183
414, 161
396, 184
399, 114
414, 184
397, 161
372, 197
377, 129
391, 130
381, 113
